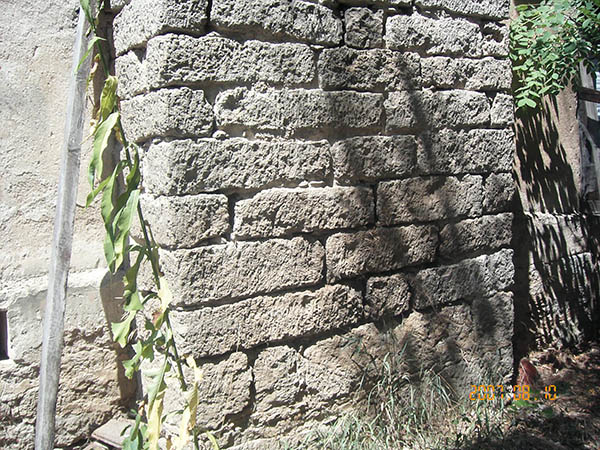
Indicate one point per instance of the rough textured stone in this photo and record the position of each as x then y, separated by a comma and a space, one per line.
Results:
487, 233
180, 112
364, 28
471, 278
407, 110
191, 167
297, 109
242, 269
392, 3
277, 212
297, 19
458, 152
131, 71
387, 296
498, 192
371, 158
444, 36
556, 236
379, 250
427, 199
223, 392
142, 19
186, 221
502, 112
487, 74
260, 320
495, 39
374, 70
480, 8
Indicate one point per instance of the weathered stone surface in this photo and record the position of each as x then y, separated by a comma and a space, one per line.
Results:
462, 342
297, 109
371, 158
471, 278
502, 112
392, 3
444, 36
364, 28
487, 233
427, 199
260, 320
180, 112
379, 250
387, 296
487, 74
495, 39
223, 392
458, 152
297, 19
141, 19
242, 269
498, 192
555, 236
480, 8
191, 167
131, 71
278, 212
187, 220
372, 70
407, 110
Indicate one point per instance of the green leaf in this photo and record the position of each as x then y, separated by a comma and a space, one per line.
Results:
123, 226
108, 98
85, 56
120, 330
212, 440
101, 136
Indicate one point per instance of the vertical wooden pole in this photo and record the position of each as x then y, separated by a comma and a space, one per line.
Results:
53, 325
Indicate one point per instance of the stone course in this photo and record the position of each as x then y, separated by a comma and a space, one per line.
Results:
326, 179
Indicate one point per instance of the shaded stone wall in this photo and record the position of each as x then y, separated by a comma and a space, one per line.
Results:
35, 60
556, 264
330, 183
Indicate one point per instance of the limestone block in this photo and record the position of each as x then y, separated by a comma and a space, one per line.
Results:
502, 112
278, 212
474, 151
387, 296
498, 192
486, 74
180, 112
443, 36
191, 167
470, 278
427, 199
492, 9
297, 109
379, 250
495, 39
390, 3
407, 110
131, 71
298, 19
187, 220
364, 28
142, 19
259, 320
556, 236
241, 269
370, 158
368, 70
223, 392
487, 233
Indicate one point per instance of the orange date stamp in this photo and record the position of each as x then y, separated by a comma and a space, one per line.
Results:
483, 392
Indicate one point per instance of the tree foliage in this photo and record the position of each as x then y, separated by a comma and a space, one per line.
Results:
548, 41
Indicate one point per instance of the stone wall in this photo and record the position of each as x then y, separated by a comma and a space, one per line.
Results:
35, 60
331, 184
556, 276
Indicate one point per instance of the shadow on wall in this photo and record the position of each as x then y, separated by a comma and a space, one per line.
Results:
555, 259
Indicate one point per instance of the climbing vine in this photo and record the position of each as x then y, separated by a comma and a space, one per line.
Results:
119, 208
548, 41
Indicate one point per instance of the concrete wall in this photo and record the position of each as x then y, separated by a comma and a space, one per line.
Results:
35, 60
330, 183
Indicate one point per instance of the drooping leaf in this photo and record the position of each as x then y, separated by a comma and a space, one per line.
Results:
93, 41
108, 97
101, 136
120, 330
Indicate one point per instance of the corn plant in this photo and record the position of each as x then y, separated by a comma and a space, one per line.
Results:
119, 208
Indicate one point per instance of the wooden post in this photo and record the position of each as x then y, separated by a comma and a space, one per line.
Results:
53, 325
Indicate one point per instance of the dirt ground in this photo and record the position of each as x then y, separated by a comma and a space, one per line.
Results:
572, 421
